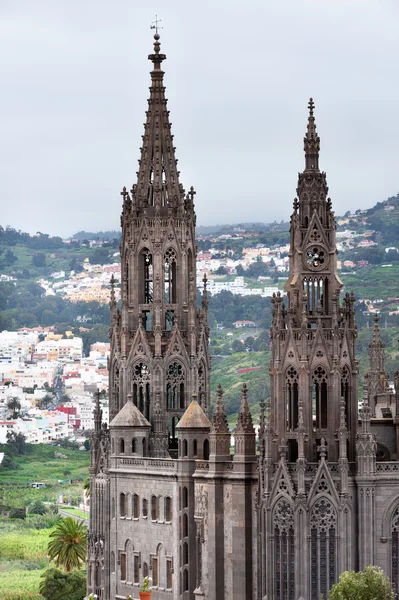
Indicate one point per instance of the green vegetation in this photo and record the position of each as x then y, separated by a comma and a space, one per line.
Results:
24, 541
40, 464
369, 584
67, 546
58, 585
23, 551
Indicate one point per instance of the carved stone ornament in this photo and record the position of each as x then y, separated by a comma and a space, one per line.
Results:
315, 257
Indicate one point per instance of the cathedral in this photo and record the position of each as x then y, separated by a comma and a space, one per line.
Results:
312, 493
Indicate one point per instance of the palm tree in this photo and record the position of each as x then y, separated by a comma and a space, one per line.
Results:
68, 544
14, 406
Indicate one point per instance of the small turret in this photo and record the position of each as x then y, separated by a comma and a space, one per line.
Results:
193, 432
220, 434
244, 436
130, 431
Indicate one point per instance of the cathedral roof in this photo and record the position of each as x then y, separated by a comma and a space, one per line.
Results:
194, 418
129, 416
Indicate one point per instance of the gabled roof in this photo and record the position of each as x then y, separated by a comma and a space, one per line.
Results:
194, 418
129, 416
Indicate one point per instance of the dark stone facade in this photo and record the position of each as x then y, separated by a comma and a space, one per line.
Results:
168, 499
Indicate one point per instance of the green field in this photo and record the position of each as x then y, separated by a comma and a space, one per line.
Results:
41, 465
22, 559
23, 543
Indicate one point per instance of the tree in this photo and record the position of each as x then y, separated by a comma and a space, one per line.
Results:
14, 406
46, 400
37, 508
39, 259
67, 546
221, 270
10, 258
57, 585
16, 442
369, 584
237, 346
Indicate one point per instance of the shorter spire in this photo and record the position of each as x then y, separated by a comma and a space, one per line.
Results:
98, 413
376, 331
219, 420
311, 141
112, 295
205, 300
244, 424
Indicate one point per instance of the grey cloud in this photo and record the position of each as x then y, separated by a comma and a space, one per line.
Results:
75, 79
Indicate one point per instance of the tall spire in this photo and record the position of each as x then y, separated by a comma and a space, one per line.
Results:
157, 178
311, 141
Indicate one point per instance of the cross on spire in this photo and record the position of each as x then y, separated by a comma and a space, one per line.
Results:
311, 141
155, 24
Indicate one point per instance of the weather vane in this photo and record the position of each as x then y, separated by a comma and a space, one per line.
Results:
155, 24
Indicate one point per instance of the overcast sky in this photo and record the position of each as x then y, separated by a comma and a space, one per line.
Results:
74, 88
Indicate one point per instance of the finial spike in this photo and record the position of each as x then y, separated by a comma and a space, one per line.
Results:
311, 141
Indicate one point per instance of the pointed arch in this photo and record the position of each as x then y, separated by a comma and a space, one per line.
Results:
141, 391
320, 398
146, 276
323, 546
284, 549
175, 385
170, 283
292, 397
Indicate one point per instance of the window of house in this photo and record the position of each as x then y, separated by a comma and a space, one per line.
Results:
168, 509
155, 572
169, 573
122, 505
123, 560
154, 508
136, 509
145, 507
136, 569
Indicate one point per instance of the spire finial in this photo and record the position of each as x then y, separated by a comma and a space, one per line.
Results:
157, 58
155, 25
311, 140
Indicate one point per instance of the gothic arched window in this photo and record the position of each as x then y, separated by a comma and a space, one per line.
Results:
173, 444
291, 386
141, 388
146, 277
319, 399
323, 548
175, 386
170, 276
284, 550
395, 551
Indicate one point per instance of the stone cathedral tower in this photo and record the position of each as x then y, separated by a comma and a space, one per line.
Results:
159, 349
309, 439
141, 518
